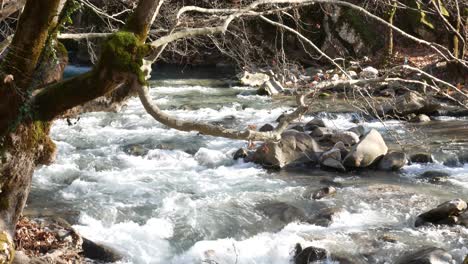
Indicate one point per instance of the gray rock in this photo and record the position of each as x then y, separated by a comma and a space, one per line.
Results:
332, 158
135, 150
309, 255
280, 117
422, 158
367, 151
324, 192
312, 124
240, 154
434, 176
297, 128
369, 73
266, 128
463, 219
325, 216
293, 148
443, 213
322, 132
347, 137
281, 212
421, 118
413, 102
393, 161
270, 87
430, 255
100, 252
253, 79
359, 130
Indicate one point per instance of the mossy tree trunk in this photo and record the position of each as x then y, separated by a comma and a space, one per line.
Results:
25, 117
391, 18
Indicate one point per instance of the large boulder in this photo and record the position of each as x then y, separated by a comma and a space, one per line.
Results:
429, 255
393, 161
293, 148
367, 151
347, 137
446, 213
414, 103
253, 79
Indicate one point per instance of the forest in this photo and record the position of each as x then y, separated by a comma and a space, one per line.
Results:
234, 131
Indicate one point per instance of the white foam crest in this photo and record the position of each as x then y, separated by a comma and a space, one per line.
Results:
141, 243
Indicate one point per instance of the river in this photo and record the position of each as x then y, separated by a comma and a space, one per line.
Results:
183, 199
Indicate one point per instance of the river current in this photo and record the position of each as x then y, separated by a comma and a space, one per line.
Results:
183, 199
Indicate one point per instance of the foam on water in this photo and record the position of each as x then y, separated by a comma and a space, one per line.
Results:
185, 200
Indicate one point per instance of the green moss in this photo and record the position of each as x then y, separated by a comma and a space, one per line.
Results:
124, 52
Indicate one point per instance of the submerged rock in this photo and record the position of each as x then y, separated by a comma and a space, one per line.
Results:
308, 254
293, 148
100, 252
266, 128
325, 217
135, 150
367, 151
430, 255
393, 161
423, 157
434, 176
281, 212
445, 213
324, 192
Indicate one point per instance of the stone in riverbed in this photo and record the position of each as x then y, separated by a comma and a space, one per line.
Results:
420, 119
266, 128
240, 154
443, 213
312, 124
135, 150
367, 151
325, 216
359, 130
369, 73
393, 161
434, 176
308, 254
324, 192
422, 157
429, 255
332, 158
414, 103
322, 132
281, 212
270, 87
297, 128
347, 137
100, 252
253, 79
294, 148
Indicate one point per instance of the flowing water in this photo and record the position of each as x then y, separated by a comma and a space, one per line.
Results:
183, 199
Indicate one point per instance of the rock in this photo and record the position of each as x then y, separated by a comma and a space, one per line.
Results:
253, 79
100, 252
367, 151
280, 117
322, 132
393, 161
388, 238
266, 128
430, 255
270, 87
347, 137
293, 148
463, 219
325, 217
309, 254
389, 92
332, 158
353, 75
369, 73
298, 128
413, 102
421, 118
135, 150
434, 176
359, 130
443, 213
240, 154
312, 124
281, 212
324, 192
422, 158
